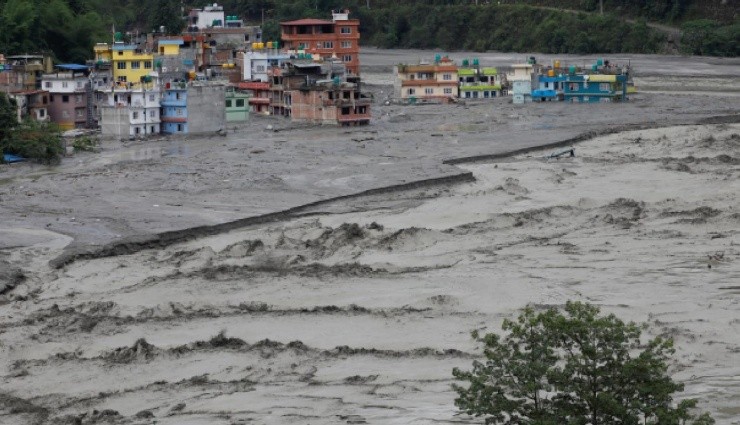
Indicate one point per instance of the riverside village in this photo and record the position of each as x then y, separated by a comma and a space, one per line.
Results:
221, 71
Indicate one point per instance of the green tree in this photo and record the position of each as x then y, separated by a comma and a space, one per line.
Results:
573, 366
8, 117
34, 140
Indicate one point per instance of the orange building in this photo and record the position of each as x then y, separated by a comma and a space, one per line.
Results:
339, 37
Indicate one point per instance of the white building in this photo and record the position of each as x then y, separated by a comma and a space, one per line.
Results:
521, 80
208, 17
131, 110
257, 63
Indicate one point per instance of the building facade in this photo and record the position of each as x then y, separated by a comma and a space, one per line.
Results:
237, 105
428, 82
131, 110
32, 104
338, 38
193, 108
522, 79
480, 82
71, 99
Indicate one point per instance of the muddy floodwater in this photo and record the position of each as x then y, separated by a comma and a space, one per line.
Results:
288, 274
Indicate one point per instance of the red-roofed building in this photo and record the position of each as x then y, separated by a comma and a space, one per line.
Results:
338, 38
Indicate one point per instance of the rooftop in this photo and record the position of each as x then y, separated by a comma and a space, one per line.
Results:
308, 22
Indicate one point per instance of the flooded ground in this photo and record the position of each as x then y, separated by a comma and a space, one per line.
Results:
356, 310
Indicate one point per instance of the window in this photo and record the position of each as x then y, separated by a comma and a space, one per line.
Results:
346, 45
65, 114
121, 65
79, 84
47, 84
42, 113
604, 87
428, 90
259, 68
79, 113
447, 77
485, 94
136, 65
122, 79
120, 53
179, 127
347, 58
448, 90
78, 98
177, 96
137, 130
152, 131
153, 113
151, 98
135, 115
346, 30
411, 91
178, 111
228, 103
240, 103
345, 111
64, 84
65, 98
147, 64
573, 87
51, 98
547, 85
328, 45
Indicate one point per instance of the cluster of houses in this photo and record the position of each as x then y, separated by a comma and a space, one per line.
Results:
219, 71
444, 81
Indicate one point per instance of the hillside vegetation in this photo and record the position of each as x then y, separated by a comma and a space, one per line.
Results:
69, 28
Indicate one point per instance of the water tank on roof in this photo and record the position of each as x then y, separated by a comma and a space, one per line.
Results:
118, 36
476, 62
465, 62
437, 58
599, 62
269, 44
572, 69
276, 44
556, 64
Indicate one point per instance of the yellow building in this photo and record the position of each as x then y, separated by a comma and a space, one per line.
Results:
437, 81
170, 47
128, 64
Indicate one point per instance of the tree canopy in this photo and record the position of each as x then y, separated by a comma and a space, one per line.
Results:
573, 366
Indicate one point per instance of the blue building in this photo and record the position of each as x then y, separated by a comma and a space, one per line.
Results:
193, 108
583, 88
174, 109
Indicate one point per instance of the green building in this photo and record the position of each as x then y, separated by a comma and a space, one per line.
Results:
237, 106
479, 82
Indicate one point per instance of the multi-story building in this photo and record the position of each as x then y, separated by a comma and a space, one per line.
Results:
193, 108
71, 98
602, 83
32, 104
437, 81
237, 105
338, 38
521, 79
131, 110
478, 82
256, 75
23, 72
209, 16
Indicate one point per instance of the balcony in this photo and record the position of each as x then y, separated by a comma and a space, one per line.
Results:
174, 102
174, 119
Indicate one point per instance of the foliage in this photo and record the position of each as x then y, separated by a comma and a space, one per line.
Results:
85, 143
29, 139
573, 367
8, 116
705, 37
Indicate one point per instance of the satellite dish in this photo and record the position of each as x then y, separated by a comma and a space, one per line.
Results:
585, 78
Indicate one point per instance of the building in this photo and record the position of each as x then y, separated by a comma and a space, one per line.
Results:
32, 104
522, 80
257, 62
601, 83
71, 97
131, 110
193, 108
259, 95
129, 64
209, 16
338, 38
237, 105
330, 102
437, 81
478, 82
23, 72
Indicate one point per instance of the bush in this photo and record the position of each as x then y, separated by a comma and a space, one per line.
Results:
33, 140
